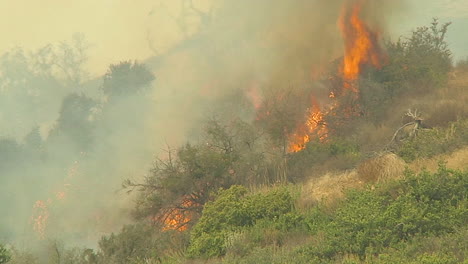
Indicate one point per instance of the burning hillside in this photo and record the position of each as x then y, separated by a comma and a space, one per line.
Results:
361, 49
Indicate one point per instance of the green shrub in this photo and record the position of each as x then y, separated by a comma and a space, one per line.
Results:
431, 142
420, 61
136, 242
316, 220
274, 255
368, 221
417, 219
5, 254
423, 259
335, 154
452, 244
233, 211
361, 224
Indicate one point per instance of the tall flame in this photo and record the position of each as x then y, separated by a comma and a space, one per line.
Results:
360, 44
361, 48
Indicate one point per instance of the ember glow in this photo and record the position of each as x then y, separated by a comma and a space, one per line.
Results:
360, 44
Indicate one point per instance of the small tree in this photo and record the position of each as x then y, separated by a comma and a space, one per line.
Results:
74, 122
126, 78
184, 180
421, 61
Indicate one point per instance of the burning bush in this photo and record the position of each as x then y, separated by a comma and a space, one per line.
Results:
179, 185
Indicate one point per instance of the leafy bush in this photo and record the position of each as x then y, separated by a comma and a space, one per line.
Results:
423, 259
418, 219
369, 221
448, 248
189, 175
273, 255
126, 78
415, 65
5, 255
232, 211
430, 142
336, 154
134, 243
421, 61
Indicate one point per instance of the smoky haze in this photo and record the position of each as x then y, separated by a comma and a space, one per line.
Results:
215, 58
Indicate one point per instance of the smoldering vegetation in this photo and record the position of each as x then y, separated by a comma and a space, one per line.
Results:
218, 107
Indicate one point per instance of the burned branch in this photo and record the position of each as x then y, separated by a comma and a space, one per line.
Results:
414, 126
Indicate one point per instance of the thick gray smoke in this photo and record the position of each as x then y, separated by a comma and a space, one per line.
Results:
226, 57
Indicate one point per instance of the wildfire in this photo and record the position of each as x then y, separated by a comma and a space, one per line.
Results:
41, 214
361, 44
40, 217
178, 218
361, 48
314, 126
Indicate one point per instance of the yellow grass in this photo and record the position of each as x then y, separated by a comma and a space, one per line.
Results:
330, 187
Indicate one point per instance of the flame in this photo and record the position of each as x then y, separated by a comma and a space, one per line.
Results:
41, 213
361, 48
179, 217
254, 96
361, 44
40, 217
315, 126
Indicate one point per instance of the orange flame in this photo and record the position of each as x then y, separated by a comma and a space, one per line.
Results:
361, 44
40, 218
178, 218
41, 210
315, 126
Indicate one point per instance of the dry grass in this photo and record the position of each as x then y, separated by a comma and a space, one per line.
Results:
447, 104
382, 168
455, 160
328, 188
331, 187
442, 112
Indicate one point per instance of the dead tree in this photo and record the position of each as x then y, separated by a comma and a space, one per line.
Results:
409, 130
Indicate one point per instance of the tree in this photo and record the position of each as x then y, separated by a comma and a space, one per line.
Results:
126, 78
33, 83
74, 122
421, 61
134, 242
10, 153
33, 139
183, 182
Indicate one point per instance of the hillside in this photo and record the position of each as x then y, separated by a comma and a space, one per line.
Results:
249, 142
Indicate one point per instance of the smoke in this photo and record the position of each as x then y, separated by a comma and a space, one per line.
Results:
217, 57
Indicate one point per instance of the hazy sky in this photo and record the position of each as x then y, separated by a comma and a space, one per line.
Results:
119, 29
